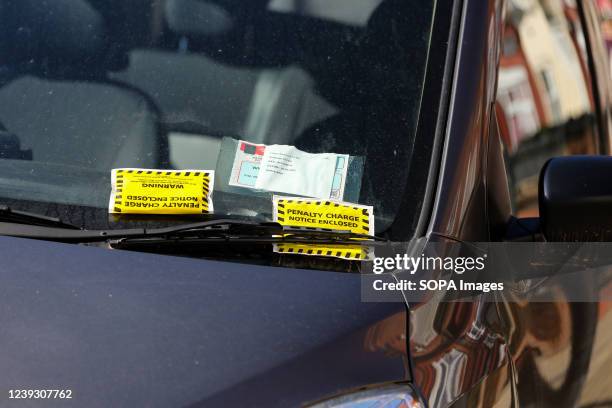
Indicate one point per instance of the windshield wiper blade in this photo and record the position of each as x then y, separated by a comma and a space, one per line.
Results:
221, 230
242, 232
328, 238
51, 233
7, 214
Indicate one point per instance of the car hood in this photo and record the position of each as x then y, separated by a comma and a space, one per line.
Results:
133, 329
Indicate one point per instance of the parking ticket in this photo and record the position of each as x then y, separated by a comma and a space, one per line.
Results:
286, 169
324, 215
148, 191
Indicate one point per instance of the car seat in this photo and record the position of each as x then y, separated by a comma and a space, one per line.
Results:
211, 85
55, 95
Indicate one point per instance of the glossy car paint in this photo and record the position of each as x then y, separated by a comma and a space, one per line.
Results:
133, 329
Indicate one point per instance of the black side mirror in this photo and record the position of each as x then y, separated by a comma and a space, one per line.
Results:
575, 198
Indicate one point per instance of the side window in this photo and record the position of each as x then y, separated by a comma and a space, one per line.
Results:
545, 102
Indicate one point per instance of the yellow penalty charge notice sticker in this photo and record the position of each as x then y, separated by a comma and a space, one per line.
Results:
148, 191
324, 215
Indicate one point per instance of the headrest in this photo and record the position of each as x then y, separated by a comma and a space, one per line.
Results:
52, 33
227, 30
385, 68
197, 17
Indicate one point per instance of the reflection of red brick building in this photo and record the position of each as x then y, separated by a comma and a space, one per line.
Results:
575, 29
534, 94
519, 106
545, 102
605, 8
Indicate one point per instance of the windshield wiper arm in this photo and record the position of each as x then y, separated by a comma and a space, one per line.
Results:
51, 232
264, 234
222, 230
7, 214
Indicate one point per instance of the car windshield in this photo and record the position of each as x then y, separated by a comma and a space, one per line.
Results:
88, 86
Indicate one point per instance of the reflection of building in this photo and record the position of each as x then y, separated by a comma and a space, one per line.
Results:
521, 109
605, 8
541, 54
453, 346
544, 100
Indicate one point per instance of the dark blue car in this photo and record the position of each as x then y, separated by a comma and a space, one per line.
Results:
446, 111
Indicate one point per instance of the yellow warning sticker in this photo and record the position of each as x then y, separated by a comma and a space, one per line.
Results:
347, 252
147, 191
326, 216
